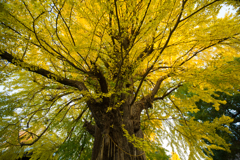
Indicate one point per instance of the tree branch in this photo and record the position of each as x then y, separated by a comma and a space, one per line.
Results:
116, 10
157, 86
40, 45
89, 127
167, 93
198, 10
36, 69
204, 48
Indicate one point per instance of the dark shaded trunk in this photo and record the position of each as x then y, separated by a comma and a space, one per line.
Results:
115, 146
110, 142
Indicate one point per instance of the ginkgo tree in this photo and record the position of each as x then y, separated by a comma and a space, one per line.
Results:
116, 69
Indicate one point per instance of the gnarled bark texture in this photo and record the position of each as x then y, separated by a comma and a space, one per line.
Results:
110, 142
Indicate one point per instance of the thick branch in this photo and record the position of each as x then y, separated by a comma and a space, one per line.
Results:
157, 86
89, 127
101, 79
36, 69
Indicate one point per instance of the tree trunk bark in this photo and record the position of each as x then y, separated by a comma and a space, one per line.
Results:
110, 142
115, 146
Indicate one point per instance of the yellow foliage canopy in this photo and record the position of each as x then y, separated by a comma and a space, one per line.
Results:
115, 54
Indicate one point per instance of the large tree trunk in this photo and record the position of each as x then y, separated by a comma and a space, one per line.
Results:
115, 146
110, 142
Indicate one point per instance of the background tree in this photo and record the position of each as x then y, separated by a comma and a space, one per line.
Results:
207, 113
111, 67
231, 109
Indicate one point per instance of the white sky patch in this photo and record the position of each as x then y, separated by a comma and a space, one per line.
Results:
1, 88
226, 10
